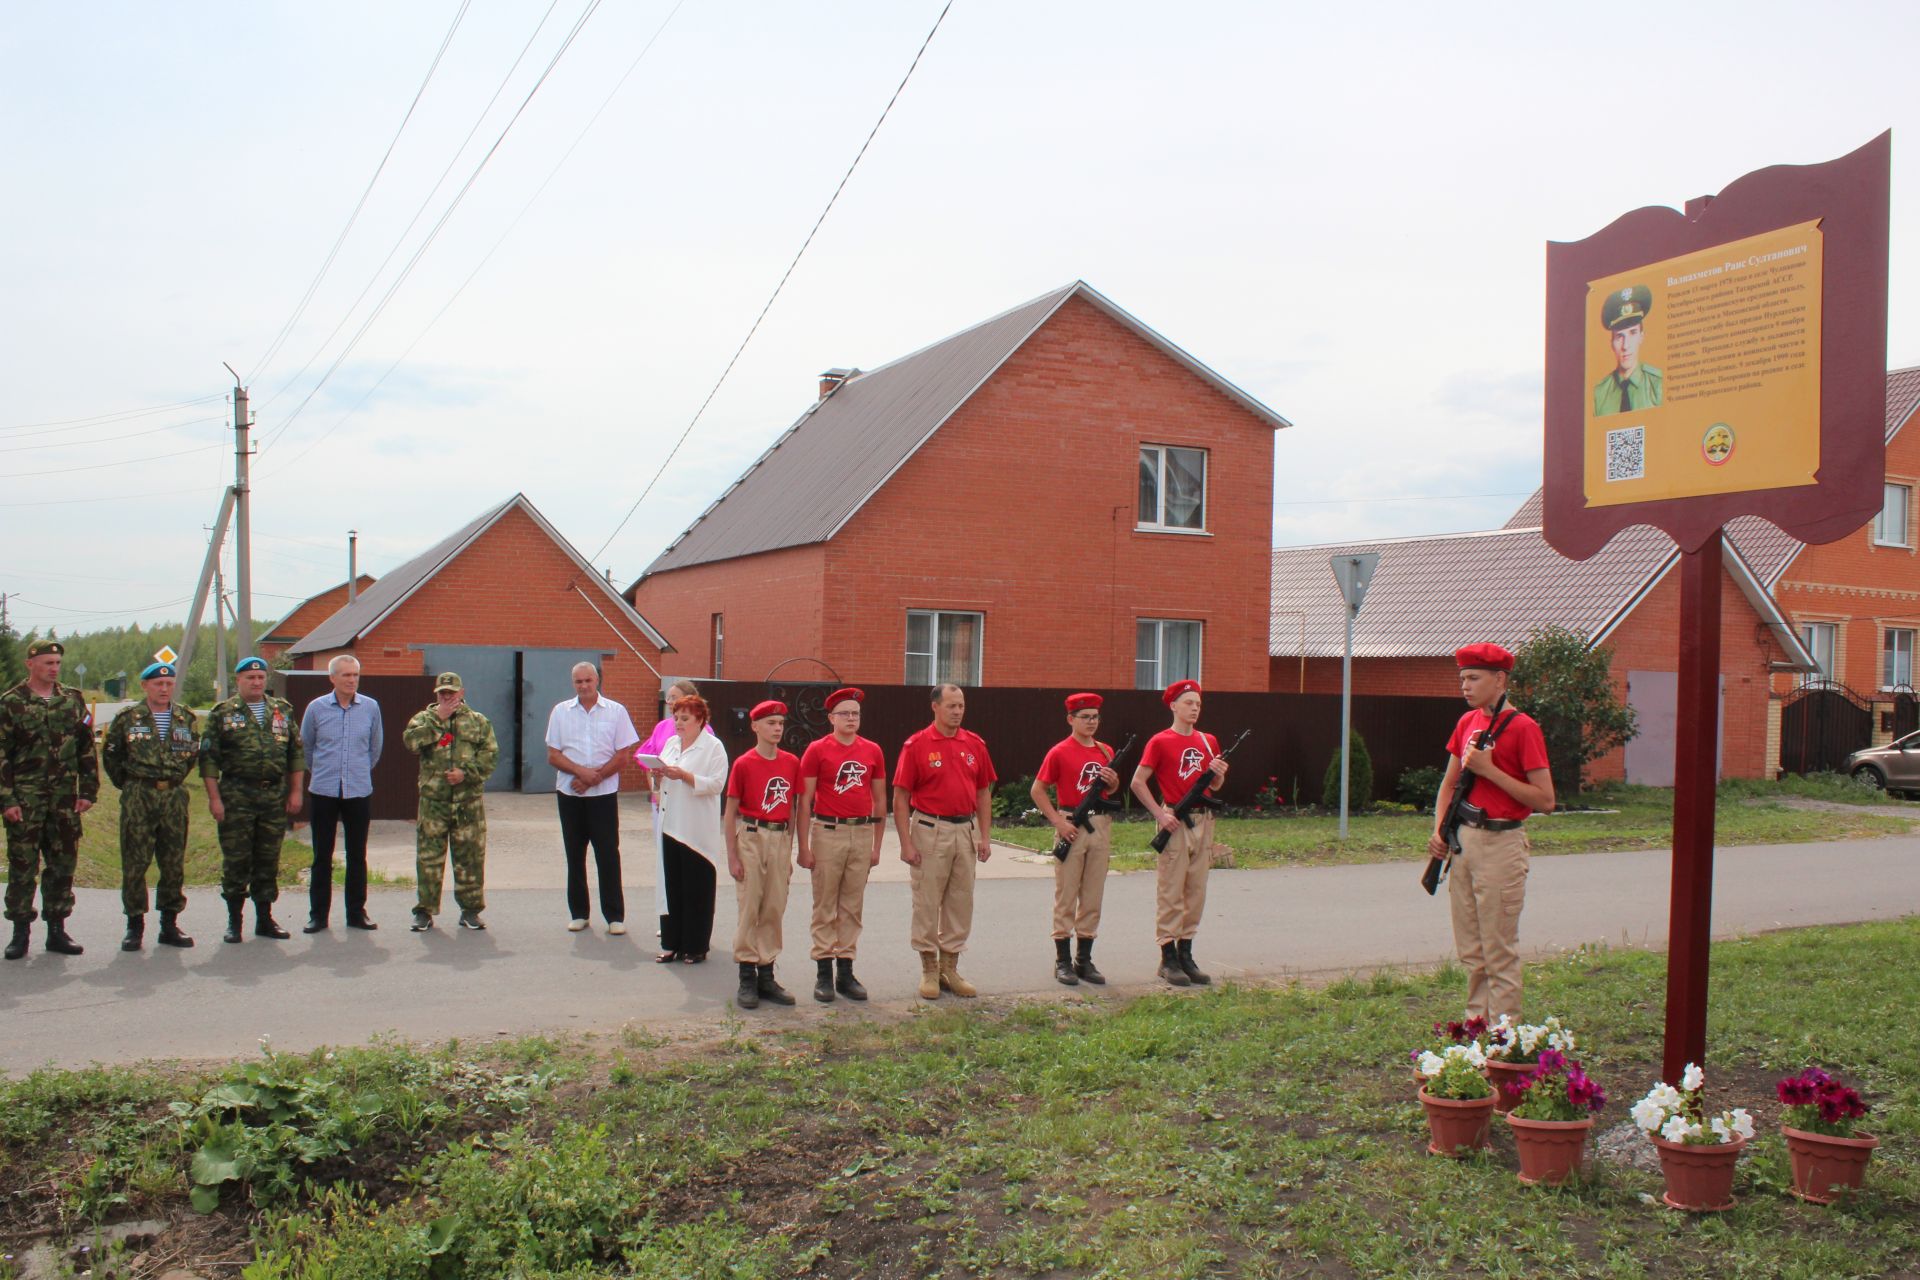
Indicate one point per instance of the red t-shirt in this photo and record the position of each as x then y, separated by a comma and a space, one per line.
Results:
843, 776
765, 788
1520, 749
943, 775
1074, 769
1177, 759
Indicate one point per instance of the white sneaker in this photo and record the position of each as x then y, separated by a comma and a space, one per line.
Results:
617, 928
575, 926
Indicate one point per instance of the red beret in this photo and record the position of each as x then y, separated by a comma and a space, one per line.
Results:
1488, 657
1084, 701
1179, 688
768, 708
839, 696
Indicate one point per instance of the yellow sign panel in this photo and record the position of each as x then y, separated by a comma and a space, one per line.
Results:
1703, 372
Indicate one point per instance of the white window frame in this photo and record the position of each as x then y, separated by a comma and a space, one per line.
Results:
970, 677
1810, 633
1160, 679
1888, 532
1159, 523
1892, 651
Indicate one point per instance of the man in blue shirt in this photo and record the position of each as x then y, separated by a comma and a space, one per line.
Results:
342, 737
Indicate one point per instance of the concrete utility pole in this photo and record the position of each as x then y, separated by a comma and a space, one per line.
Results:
242, 515
353, 565
205, 584
219, 634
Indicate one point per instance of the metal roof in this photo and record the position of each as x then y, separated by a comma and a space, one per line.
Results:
838, 454
364, 581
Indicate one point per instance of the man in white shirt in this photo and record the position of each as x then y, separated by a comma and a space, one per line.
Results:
588, 737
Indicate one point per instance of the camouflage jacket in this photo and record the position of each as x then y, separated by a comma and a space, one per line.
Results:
46, 747
234, 743
463, 741
134, 750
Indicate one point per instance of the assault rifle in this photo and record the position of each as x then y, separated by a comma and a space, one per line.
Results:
1196, 797
1094, 802
1436, 869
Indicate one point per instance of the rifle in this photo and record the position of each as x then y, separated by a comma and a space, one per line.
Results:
1093, 802
1196, 797
1436, 868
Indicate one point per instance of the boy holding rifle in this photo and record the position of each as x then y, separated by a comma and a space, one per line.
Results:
1079, 766
1174, 760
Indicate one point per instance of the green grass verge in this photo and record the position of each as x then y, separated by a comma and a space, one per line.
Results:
1234, 1132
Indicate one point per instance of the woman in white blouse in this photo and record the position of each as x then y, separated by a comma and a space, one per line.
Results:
691, 778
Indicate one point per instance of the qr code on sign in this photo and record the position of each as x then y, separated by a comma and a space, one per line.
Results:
1627, 454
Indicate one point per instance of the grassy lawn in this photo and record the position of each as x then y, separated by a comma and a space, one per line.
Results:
99, 865
1748, 812
1233, 1132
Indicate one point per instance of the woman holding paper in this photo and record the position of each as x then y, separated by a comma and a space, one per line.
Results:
689, 781
647, 755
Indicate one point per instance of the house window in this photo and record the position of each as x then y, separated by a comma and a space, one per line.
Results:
1165, 650
719, 645
943, 648
1896, 657
1890, 527
1818, 637
1173, 487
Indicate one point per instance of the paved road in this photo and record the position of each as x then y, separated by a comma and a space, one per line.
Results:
528, 974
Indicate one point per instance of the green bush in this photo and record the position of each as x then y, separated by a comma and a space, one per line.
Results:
1012, 800
1418, 787
1359, 777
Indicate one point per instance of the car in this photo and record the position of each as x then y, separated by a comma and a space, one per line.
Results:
1894, 767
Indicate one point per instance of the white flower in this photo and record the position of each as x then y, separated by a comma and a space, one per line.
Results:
1471, 1052
1648, 1114
1666, 1097
1742, 1122
1692, 1078
1678, 1130
1720, 1131
1430, 1063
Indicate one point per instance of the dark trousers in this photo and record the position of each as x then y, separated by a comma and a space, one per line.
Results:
688, 925
329, 812
592, 820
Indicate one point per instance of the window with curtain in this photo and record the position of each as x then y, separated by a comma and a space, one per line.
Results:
1896, 657
1890, 526
1165, 650
1819, 638
1173, 487
943, 647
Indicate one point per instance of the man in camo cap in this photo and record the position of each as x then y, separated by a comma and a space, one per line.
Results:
48, 778
457, 751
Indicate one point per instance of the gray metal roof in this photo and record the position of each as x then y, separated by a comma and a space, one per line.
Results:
839, 453
348, 623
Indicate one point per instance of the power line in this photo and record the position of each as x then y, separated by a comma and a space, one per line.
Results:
1413, 497
104, 613
784, 277
105, 418
112, 497
118, 462
131, 435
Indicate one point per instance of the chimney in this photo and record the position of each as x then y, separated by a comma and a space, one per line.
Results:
830, 380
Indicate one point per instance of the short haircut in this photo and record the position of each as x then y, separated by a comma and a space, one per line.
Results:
939, 693
696, 706
339, 660
685, 688
578, 666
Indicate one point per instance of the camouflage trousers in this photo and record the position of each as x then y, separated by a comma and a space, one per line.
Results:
459, 828
153, 830
48, 835
250, 837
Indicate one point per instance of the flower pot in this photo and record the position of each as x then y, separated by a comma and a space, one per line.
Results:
1824, 1166
1502, 1074
1550, 1150
1699, 1177
1456, 1126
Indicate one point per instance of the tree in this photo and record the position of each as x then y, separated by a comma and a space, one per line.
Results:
13, 660
1567, 685
1359, 777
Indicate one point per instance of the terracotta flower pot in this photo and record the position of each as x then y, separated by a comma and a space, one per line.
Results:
1550, 1151
1823, 1166
1699, 1177
1502, 1074
1455, 1125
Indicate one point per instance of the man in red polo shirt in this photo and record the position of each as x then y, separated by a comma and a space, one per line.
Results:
758, 819
1173, 759
1488, 883
943, 809
1074, 766
842, 823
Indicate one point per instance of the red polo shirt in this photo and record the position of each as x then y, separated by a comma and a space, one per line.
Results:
1519, 750
843, 776
1177, 759
1073, 769
943, 775
765, 788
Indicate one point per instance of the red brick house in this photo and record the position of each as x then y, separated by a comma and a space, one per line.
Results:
305, 616
1056, 496
510, 605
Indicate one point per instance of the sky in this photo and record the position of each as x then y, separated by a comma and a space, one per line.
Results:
1343, 212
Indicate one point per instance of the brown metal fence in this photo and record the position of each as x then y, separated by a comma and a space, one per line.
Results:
396, 776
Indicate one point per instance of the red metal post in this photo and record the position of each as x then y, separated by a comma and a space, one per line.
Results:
1695, 769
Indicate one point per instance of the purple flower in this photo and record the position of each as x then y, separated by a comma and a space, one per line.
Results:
1551, 1060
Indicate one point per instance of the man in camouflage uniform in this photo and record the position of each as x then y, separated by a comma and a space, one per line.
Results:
150, 750
457, 751
251, 761
48, 778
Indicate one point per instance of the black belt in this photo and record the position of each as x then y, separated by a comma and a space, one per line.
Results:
158, 784
844, 822
1473, 816
941, 817
258, 782
761, 824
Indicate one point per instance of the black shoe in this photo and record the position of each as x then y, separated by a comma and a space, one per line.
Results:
772, 990
17, 949
846, 984
823, 981
471, 920
314, 925
360, 920
264, 925
1063, 963
170, 934
748, 996
1185, 953
57, 940
1170, 970
421, 921
136, 930
236, 908
1083, 965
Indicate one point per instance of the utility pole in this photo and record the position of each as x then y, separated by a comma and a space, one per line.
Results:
219, 634
353, 565
242, 514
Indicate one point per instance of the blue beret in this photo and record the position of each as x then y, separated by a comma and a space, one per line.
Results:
157, 669
251, 664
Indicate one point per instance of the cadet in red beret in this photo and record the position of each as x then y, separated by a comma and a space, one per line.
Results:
1074, 766
1487, 887
843, 805
1173, 758
759, 825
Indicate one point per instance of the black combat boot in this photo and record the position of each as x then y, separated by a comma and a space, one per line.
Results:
236, 920
846, 984
170, 934
264, 925
1170, 970
57, 940
823, 981
1063, 963
1192, 970
771, 990
17, 949
1083, 966
748, 996
136, 930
